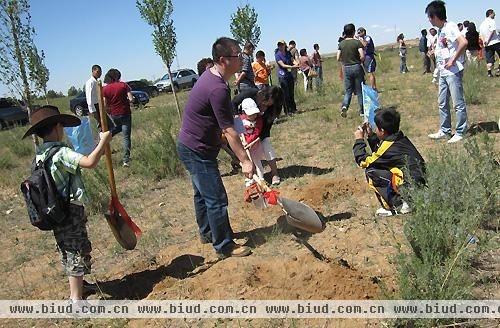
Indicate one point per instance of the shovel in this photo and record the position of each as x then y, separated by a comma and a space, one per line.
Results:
298, 215
122, 226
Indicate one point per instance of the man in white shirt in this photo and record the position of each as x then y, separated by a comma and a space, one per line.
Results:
450, 48
91, 93
491, 40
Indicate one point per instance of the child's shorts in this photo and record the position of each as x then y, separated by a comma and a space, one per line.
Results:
267, 148
73, 243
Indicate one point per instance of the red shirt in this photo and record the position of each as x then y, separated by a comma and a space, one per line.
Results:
252, 128
116, 98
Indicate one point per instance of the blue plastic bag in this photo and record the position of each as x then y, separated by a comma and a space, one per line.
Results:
370, 104
81, 137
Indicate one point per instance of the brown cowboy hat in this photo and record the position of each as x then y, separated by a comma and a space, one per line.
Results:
49, 115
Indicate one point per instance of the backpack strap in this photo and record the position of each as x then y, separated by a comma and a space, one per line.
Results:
50, 153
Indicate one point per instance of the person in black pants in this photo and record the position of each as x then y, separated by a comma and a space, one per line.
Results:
424, 49
284, 60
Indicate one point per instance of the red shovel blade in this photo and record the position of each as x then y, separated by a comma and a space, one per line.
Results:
122, 226
115, 203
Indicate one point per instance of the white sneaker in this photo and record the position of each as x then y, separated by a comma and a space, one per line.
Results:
343, 111
383, 212
434, 80
405, 208
455, 138
438, 135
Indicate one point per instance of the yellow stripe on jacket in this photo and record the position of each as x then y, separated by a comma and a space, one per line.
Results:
376, 155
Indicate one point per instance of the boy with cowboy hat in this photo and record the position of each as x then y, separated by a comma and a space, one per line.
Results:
64, 166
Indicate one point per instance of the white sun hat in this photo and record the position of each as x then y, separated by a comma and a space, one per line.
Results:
249, 106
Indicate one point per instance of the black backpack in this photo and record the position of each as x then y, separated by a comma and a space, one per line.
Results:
46, 207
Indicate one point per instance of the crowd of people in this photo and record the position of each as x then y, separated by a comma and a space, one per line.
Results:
482, 44
242, 125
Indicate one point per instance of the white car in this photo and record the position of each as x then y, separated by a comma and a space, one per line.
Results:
183, 78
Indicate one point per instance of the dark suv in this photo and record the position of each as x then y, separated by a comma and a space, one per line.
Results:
78, 105
151, 90
11, 114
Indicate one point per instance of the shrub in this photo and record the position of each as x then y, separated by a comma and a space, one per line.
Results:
473, 84
158, 156
7, 161
19, 147
460, 196
96, 188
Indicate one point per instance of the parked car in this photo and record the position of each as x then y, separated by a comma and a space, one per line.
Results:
78, 105
183, 78
151, 90
11, 114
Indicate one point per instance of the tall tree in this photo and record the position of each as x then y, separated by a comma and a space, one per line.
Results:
157, 13
72, 91
244, 25
23, 70
38, 72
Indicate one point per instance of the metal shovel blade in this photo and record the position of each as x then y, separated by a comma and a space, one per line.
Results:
123, 234
301, 216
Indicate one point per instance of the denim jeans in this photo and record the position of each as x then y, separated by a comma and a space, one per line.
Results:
451, 85
288, 87
353, 77
318, 80
402, 65
210, 198
123, 124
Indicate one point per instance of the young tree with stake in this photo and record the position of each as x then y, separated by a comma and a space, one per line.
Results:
157, 13
19, 58
244, 26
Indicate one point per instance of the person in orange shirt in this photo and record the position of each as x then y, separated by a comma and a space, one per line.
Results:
261, 70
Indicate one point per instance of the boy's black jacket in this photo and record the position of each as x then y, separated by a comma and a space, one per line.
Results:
395, 150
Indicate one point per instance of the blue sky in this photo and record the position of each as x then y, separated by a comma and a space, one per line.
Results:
77, 34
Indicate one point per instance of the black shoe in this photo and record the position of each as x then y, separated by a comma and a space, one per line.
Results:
490, 75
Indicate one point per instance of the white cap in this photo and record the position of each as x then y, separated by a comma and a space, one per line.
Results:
249, 106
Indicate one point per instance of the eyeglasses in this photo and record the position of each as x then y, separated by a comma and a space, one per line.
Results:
240, 56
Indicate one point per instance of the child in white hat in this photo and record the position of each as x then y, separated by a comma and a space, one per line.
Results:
252, 122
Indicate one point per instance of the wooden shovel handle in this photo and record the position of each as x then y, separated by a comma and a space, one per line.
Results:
249, 145
261, 183
107, 148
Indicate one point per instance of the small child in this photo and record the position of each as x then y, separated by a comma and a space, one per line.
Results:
252, 123
71, 237
391, 152
261, 70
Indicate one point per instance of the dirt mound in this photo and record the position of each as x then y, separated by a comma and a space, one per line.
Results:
320, 191
286, 277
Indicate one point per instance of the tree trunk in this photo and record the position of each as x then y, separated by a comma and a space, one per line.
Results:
174, 92
22, 68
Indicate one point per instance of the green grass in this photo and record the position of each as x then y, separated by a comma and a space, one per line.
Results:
443, 220
474, 84
462, 196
